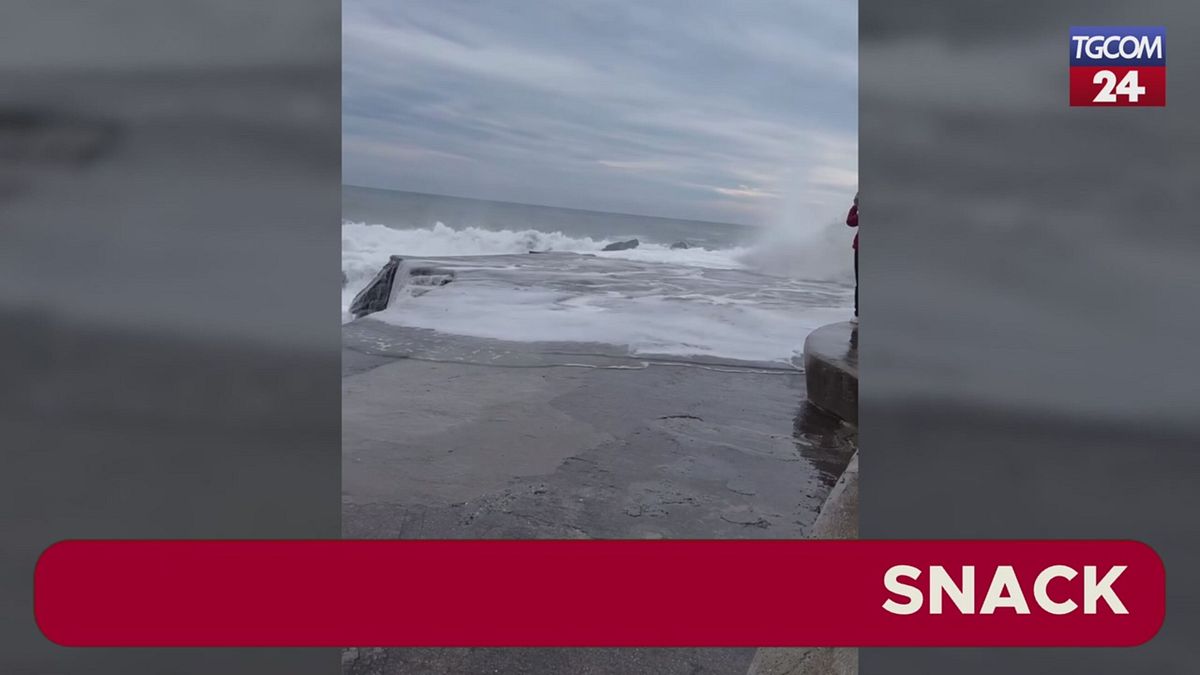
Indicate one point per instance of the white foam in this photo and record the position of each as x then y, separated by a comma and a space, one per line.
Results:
821, 252
721, 259
441, 240
653, 300
655, 322
365, 248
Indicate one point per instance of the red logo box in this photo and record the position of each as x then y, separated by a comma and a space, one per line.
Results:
1119, 87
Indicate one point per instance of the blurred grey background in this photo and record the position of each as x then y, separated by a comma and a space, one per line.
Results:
1029, 290
169, 219
169, 200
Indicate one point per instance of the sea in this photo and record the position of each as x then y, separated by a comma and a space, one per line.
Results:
509, 273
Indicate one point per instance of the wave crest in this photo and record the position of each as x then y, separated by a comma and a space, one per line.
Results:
366, 247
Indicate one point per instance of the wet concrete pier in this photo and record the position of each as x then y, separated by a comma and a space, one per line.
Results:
831, 375
831, 369
454, 437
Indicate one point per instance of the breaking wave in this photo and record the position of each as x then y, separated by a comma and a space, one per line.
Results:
365, 247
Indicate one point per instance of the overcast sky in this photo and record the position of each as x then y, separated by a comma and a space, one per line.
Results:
705, 109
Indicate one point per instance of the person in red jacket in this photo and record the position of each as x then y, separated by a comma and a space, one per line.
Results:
852, 221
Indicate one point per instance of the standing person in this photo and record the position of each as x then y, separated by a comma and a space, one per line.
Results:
852, 221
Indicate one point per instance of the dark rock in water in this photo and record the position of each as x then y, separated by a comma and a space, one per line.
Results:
681, 244
430, 276
533, 252
621, 245
378, 293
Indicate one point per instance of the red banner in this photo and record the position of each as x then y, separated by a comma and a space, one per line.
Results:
599, 593
1121, 86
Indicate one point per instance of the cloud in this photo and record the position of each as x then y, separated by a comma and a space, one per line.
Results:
645, 107
745, 191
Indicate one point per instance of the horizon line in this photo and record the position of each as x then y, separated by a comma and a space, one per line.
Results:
550, 206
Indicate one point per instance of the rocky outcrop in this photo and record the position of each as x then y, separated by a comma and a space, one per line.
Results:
622, 245
681, 244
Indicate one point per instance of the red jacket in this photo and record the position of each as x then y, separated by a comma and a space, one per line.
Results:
852, 221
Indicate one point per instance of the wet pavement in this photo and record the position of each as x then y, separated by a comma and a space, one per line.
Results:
546, 661
621, 448
610, 447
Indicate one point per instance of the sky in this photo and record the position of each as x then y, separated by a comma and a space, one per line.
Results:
146, 35
741, 112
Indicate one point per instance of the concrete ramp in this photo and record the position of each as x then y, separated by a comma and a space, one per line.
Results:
396, 274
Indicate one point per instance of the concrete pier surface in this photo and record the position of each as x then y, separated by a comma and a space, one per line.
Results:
831, 369
467, 438
838, 520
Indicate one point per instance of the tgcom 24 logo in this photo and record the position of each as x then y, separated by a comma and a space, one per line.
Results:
1118, 66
